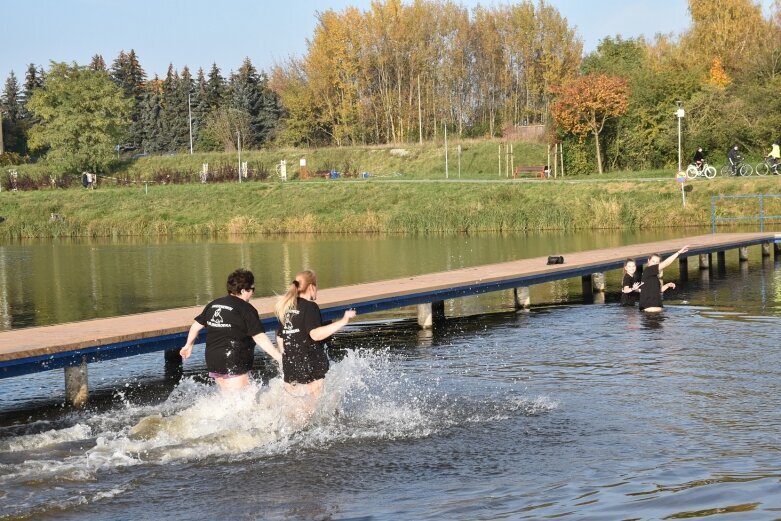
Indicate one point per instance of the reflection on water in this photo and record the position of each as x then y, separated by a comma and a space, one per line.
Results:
64, 280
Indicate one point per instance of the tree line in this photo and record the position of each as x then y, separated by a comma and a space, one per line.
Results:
402, 72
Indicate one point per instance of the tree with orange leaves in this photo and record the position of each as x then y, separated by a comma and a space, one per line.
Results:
585, 103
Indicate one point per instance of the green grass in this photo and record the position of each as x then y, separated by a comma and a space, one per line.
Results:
372, 206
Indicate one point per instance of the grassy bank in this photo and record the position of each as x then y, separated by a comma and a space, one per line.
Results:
371, 206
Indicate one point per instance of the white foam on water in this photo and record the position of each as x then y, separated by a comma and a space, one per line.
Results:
366, 396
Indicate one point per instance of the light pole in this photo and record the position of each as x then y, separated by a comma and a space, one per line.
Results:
680, 113
238, 143
190, 119
2, 149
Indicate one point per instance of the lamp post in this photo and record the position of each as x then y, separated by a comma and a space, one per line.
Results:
238, 144
2, 149
680, 113
190, 122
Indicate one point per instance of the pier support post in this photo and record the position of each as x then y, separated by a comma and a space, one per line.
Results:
721, 261
173, 364
683, 269
743, 253
705, 260
599, 285
588, 289
76, 389
431, 312
522, 298
766, 249
777, 249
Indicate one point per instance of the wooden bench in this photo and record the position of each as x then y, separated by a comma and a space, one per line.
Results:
538, 170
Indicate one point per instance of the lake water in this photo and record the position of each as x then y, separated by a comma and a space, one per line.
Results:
567, 411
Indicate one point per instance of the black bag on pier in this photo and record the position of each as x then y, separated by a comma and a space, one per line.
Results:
555, 259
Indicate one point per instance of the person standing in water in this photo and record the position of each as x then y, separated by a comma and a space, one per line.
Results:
233, 328
630, 286
651, 294
301, 329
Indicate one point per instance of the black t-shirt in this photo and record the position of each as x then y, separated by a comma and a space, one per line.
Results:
304, 360
628, 299
651, 291
230, 325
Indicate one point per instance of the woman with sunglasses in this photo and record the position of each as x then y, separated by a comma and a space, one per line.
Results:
301, 330
233, 328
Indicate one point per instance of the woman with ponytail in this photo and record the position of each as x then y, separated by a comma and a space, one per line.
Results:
301, 329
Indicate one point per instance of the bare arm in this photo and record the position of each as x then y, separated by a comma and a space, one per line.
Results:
633, 287
187, 350
323, 332
281, 345
669, 260
265, 344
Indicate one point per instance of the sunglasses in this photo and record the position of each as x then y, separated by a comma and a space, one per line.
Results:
250, 289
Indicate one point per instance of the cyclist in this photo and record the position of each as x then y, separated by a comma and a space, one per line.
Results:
774, 156
734, 159
699, 159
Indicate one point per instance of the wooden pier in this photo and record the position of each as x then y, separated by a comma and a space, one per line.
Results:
73, 345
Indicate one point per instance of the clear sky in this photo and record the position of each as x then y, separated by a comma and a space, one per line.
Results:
199, 32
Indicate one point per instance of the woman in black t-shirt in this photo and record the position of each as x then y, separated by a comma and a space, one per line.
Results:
651, 294
233, 328
301, 329
630, 286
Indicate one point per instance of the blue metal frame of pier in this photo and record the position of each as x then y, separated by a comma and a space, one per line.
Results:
35, 364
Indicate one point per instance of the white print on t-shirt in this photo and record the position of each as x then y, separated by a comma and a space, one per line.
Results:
217, 320
288, 329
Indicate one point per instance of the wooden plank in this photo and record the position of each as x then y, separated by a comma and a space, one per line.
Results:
49, 340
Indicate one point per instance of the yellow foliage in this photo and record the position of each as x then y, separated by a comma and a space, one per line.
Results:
718, 76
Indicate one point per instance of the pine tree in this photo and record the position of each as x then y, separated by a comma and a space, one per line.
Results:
250, 94
174, 122
199, 104
11, 112
98, 63
215, 88
10, 101
150, 117
33, 80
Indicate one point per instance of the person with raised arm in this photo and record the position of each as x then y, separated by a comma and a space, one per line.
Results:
300, 334
651, 293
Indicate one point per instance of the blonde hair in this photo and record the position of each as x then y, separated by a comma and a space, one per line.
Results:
289, 300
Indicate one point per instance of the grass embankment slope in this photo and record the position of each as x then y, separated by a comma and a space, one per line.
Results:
372, 206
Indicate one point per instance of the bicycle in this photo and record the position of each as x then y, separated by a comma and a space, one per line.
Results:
739, 168
766, 166
705, 170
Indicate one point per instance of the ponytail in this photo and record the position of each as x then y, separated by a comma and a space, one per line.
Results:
290, 299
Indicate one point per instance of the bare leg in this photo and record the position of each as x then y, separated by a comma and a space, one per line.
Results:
233, 384
653, 310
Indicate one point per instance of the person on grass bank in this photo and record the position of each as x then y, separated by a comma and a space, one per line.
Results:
651, 293
630, 285
233, 328
299, 336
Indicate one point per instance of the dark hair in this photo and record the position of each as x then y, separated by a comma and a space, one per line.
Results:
240, 279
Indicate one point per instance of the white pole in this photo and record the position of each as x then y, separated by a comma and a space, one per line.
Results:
679, 146
190, 118
446, 170
238, 143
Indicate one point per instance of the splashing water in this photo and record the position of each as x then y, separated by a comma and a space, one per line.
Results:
365, 397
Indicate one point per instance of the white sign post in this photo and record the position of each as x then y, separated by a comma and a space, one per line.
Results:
681, 178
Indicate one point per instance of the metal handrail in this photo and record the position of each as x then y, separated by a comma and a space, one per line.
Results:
761, 217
